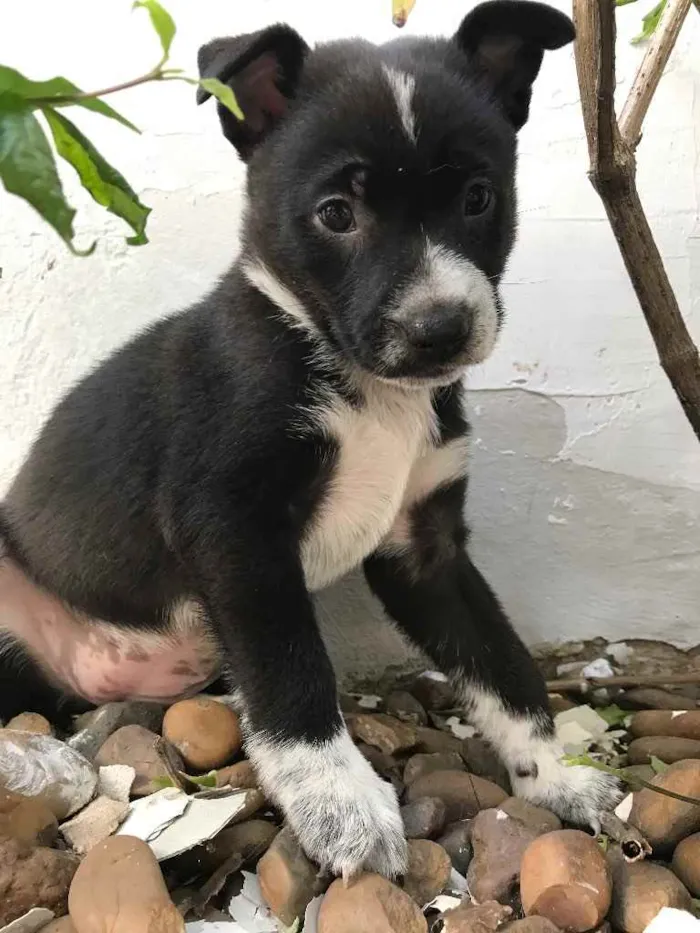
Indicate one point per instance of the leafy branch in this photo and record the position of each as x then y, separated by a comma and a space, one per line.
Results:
631, 779
27, 163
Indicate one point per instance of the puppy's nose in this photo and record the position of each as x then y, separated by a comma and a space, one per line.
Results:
442, 333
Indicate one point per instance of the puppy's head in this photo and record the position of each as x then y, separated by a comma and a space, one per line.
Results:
381, 181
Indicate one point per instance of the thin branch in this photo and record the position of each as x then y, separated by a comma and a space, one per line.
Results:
584, 684
650, 71
155, 75
612, 174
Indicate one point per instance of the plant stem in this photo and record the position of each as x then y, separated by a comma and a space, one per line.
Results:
155, 75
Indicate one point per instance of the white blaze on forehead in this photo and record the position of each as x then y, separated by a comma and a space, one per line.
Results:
403, 87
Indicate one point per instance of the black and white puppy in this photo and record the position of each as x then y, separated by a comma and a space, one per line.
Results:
186, 498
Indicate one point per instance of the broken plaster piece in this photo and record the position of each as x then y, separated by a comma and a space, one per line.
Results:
249, 908
31, 922
311, 916
459, 729
114, 781
671, 920
214, 926
95, 822
601, 667
368, 701
203, 819
442, 903
624, 808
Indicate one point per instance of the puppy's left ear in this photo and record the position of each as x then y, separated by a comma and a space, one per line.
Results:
505, 41
263, 70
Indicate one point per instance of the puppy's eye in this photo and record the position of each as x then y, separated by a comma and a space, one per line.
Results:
477, 198
336, 214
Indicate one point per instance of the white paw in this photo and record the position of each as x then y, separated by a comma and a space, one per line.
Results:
345, 817
576, 793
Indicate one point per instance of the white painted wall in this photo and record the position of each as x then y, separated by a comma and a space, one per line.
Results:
586, 492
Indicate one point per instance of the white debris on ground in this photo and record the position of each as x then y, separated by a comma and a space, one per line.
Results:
670, 920
249, 909
33, 921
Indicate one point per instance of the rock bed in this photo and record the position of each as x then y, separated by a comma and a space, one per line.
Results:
147, 820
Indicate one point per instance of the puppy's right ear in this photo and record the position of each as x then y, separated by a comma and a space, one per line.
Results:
263, 70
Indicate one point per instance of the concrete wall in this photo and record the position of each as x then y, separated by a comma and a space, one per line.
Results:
585, 499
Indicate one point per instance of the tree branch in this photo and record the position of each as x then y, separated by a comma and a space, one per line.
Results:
612, 174
650, 71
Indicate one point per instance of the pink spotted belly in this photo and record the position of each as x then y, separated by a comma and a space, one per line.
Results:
101, 661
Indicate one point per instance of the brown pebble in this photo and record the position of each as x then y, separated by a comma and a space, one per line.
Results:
482, 760
424, 818
31, 722
138, 747
464, 795
119, 888
499, 838
288, 880
33, 877
667, 748
384, 732
405, 707
429, 870
533, 925
433, 693
418, 765
242, 774
370, 904
482, 918
640, 890
684, 724
456, 841
565, 878
207, 733
686, 863
663, 820
430, 741
27, 819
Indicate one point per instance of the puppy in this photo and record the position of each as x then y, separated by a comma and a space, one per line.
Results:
185, 500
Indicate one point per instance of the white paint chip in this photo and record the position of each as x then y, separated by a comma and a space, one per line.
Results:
671, 920
501, 815
459, 729
678, 712
31, 922
249, 908
442, 903
601, 667
624, 808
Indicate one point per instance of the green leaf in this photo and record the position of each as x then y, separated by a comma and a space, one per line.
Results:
59, 92
658, 765
624, 2
105, 184
650, 22
223, 93
28, 169
162, 23
613, 715
203, 780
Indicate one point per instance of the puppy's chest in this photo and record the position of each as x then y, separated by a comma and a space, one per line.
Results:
377, 445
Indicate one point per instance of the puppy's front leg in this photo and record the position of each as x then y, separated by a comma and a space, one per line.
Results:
431, 588
251, 582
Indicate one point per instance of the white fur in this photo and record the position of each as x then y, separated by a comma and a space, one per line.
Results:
379, 444
575, 793
344, 815
445, 277
438, 467
403, 87
265, 281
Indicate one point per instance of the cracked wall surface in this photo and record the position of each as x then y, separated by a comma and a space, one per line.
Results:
585, 498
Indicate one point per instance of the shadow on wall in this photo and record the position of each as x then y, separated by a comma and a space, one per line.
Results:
570, 550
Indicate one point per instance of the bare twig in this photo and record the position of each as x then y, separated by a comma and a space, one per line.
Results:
612, 174
633, 845
584, 684
651, 69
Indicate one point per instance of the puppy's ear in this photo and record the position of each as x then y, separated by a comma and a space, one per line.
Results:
263, 70
505, 40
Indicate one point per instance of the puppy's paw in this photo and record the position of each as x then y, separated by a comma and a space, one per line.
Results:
346, 818
576, 793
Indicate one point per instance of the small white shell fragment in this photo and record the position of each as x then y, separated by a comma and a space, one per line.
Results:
584, 716
671, 920
249, 908
368, 701
41, 766
149, 816
624, 808
31, 922
678, 712
442, 903
459, 729
601, 667
619, 652
214, 926
114, 781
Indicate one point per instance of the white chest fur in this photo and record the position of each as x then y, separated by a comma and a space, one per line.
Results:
379, 443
